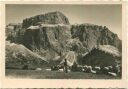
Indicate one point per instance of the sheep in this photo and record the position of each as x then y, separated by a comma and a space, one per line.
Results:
38, 69
48, 69
92, 71
89, 69
61, 70
107, 68
85, 68
97, 68
113, 74
69, 70
110, 67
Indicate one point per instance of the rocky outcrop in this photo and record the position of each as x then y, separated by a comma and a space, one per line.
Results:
75, 45
47, 38
48, 18
15, 33
91, 35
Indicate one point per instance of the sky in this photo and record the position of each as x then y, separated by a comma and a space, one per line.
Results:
109, 15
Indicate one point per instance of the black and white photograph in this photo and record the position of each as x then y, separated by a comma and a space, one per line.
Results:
63, 88
63, 41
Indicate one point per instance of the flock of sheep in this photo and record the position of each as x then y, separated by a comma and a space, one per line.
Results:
109, 70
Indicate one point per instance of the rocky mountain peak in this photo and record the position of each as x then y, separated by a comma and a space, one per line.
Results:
48, 18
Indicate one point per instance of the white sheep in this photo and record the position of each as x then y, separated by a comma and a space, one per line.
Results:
61, 70
110, 67
69, 70
97, 68
113, 74
48, 69
38, 69
92, 71
107, 68
83, 69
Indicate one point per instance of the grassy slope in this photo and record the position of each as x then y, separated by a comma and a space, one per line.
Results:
17, 55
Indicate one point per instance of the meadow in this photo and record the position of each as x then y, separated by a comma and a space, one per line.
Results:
44, 74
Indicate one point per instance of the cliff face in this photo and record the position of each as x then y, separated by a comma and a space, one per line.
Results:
51, 35
13, 32
49, 18
92, 35
47, 38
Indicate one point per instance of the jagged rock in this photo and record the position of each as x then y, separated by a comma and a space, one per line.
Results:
48, 38
15, 33
91, 35
48, 18
75, 45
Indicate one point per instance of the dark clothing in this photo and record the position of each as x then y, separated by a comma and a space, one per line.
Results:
65, 66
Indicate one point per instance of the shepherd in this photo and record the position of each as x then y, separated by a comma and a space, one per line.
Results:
65, 66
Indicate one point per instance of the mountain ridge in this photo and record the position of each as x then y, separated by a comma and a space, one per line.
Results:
55, 36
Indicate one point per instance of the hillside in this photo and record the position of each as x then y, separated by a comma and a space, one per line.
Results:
102, 55
17, 56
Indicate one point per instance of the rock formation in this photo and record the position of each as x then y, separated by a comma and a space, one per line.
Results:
51, 35
48, 18
91, 35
